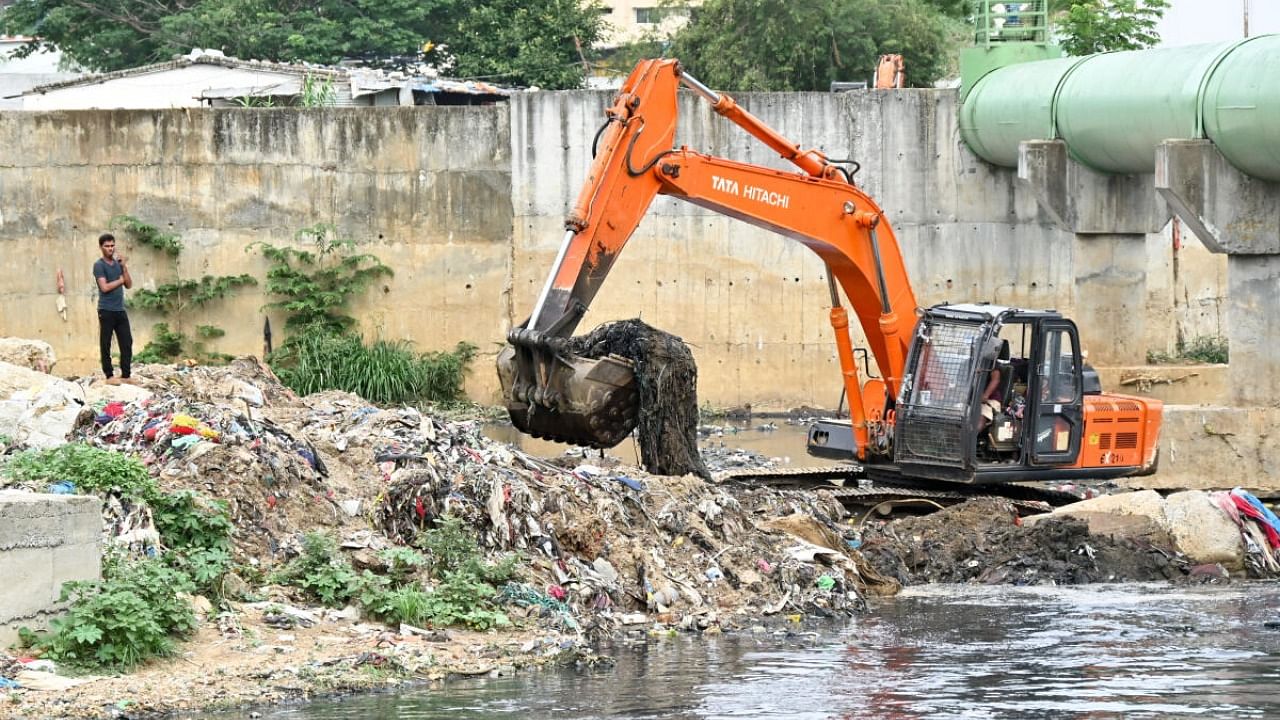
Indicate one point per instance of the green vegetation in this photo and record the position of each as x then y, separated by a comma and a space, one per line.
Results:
164, 346
321, 571
784, 45
317, 92
92, 469
1207, 349
385, 372
517, 42
1095, 26
316, 285
149, 235
175, 299
134, 612
464, 592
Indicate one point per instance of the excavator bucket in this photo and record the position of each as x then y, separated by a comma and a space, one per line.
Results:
583, 401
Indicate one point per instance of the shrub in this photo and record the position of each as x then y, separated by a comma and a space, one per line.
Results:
1201, 349
197, 532
134, 613
394, 604
384, 372
321, 571
91, 469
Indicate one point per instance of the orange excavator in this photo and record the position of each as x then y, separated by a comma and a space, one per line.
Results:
972, 393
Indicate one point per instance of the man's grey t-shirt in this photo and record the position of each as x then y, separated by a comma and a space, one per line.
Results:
113, 300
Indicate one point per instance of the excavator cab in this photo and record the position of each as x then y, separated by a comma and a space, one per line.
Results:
990, 392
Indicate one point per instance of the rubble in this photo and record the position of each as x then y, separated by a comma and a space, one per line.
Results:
983, 540
37, 409
1190, 521
31, 354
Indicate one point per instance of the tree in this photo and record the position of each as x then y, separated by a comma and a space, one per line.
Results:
526, 42
517, 42
785, 45
1094, 26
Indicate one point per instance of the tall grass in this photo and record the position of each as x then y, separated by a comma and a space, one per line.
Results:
387, 372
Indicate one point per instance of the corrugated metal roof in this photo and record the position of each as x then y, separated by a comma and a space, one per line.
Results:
362, 81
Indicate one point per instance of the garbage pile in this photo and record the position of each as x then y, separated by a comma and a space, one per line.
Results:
601, 548
1259, 530
984, 540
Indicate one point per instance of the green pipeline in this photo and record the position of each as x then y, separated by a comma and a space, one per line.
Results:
1113, 109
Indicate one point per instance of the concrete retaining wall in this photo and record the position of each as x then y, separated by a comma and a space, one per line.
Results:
467, 203
45, 540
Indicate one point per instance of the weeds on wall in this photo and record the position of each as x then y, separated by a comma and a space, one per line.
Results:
176, 299
148, 235
135, 611
317, 92
1204, 349
315, 285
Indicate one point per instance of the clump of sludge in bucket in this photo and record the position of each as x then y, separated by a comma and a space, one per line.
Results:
667, 378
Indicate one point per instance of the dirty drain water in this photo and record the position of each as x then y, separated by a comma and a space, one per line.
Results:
1139, 651
779, 440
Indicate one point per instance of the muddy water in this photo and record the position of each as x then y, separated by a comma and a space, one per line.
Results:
773, 438
948, 651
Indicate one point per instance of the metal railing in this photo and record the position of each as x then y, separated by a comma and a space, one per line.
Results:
997, 23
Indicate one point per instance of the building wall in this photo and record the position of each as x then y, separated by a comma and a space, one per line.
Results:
623, 18
467, 205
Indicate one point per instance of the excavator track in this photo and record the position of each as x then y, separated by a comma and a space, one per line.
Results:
855, 489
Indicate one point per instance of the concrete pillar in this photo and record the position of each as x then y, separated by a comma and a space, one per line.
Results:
1253, 327
1110, 216
1111, 295
1238, 215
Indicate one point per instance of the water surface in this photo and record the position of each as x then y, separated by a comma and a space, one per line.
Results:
1137, 651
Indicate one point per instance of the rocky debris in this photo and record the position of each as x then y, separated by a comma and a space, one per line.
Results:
1189, 523
983, 540
37, 409
31, 354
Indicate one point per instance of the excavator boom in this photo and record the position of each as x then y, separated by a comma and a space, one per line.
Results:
552, 393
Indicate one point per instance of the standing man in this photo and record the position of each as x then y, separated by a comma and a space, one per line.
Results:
112, 275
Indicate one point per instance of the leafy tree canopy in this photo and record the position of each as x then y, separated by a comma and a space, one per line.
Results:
785, 45
1094, 26
516, 42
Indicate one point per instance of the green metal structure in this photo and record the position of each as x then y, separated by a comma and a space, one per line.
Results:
1113, 109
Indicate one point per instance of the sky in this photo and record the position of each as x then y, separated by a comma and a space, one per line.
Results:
1188, 22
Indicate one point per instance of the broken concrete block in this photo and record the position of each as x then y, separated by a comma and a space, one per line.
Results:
32, 354
37, 409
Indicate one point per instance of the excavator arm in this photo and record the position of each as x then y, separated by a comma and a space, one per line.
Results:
551, 393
